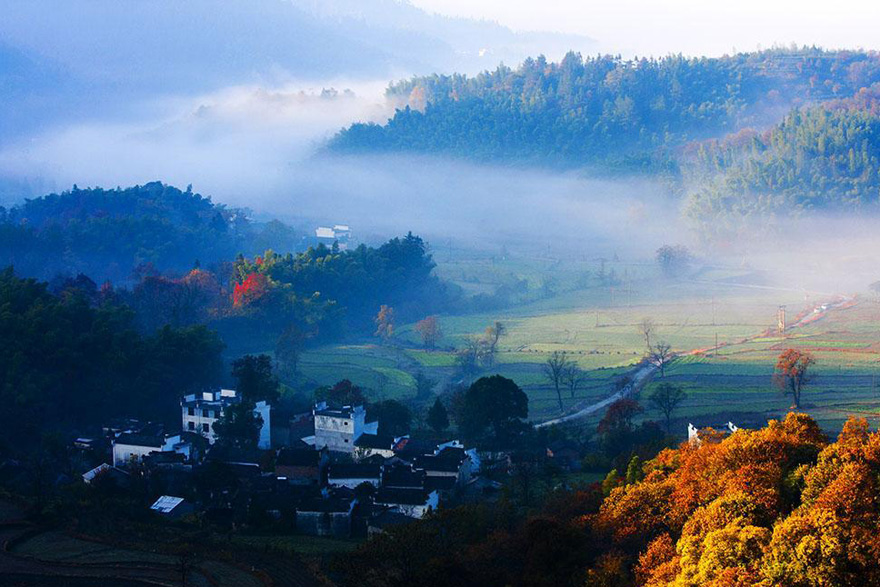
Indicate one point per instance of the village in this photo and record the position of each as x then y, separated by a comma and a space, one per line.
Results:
334, 476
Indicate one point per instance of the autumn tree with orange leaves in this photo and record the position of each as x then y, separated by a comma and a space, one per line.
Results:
793, 373
430, 331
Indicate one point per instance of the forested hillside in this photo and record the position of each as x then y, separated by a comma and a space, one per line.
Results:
106, 234
826, 157
606, 110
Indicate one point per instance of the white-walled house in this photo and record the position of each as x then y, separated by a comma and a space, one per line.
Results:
352, 475
129, 447
415, 503
201, 411
338, 429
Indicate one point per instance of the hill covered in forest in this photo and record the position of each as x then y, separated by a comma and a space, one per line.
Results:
826, 157
606, 110
107, 234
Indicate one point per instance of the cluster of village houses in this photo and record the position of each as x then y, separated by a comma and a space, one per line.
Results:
336, 472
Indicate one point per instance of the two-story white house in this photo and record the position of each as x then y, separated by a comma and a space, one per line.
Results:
201, 411
339, 429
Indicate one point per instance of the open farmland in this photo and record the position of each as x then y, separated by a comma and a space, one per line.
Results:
598, 326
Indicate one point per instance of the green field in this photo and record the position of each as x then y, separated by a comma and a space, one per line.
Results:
598, 327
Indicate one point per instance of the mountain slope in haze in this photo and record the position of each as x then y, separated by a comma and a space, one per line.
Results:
606, 110
823, 158
123, 52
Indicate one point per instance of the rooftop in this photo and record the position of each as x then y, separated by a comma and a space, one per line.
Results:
402, 496
329, 505
439, 483
403, 476
346, 471
140, 440
298, 457
343, 412
376, 441
432, 463
166, 503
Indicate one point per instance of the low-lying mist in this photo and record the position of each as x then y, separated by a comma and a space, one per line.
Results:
259, 148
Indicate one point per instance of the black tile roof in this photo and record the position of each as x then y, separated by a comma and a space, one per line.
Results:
401, 496
403, 476
298, 457
440, 483
358, 471
140, 440
377, 441
325, 505
432, 463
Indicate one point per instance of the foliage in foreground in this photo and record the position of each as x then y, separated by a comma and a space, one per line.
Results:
779, 506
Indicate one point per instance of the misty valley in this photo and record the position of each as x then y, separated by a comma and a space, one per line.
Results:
382, 293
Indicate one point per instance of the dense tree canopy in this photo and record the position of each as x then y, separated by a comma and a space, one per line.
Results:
68, 363
821, 158
108, 233
606, 109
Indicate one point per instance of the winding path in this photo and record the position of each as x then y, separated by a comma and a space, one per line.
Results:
645, 371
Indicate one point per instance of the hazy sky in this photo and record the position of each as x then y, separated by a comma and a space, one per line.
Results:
705, 27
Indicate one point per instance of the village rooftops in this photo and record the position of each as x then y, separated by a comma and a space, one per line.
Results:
432, 463
405, 477
296, 457
392, 496
374, 441
140, 440
440, 483
354, 471
452, 453
326, 505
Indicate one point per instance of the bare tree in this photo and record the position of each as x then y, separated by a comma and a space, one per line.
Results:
493, 334
660, 355
646, 328
573, 377
554, 370
289, 348
666, 398
469, 357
